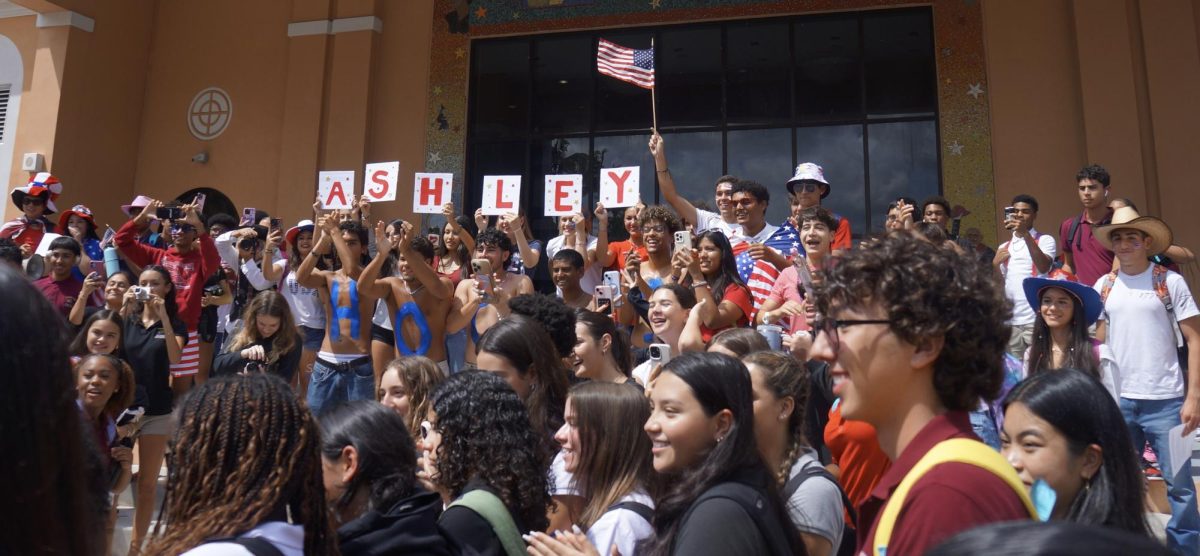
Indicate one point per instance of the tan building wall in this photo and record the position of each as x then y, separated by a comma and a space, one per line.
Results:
1113, 82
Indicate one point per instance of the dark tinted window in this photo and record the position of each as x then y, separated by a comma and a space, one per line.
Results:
899, 67
500, 89
758, 72
563, 69
689, 76
828, 68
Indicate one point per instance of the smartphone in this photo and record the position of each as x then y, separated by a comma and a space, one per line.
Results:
1009, 212
130, 415
604, 294
198, 200
276, 224
481, 267
169, 213
435, 236
683, 240
249, 216
660, 354
612, 278
570, 225
97, 268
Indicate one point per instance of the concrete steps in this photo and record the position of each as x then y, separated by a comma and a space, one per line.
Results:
123, 530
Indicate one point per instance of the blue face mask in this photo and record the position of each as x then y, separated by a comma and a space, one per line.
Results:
1044, 499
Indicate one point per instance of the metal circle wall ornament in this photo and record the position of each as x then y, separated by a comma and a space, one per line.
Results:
209, 113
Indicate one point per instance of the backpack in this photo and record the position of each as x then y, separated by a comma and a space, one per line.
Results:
954, 450
1159, 280
849, 530
493, 510
758, 507
643, 511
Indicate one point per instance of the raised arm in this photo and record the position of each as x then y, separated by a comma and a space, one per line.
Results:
463, 235
369, 283
666, 183
416, 263
513, 226
127, 238
272, 270
308, 275
603, 256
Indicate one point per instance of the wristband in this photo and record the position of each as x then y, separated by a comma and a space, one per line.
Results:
700, 283
663, 171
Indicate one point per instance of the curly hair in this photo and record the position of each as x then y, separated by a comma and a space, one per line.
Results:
820, 214
486, 435
661, 214
930, 292
1094, 172
420, 376
493, 237
387, 456
122, 396
555, 316
246, 452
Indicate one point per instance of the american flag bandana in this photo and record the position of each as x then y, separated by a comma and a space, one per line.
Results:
760, 275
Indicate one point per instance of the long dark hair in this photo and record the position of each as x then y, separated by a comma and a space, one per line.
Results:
462, 254
55, 500
79, 344
614, 453
598, 325
387, 457
1080, 355
718, 382
526, 345
168, 300
486, 434
246, 452
1079, 407
727, 274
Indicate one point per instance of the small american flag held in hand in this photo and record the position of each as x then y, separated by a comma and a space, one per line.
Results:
626, 64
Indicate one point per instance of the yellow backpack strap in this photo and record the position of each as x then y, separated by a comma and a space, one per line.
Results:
954, 450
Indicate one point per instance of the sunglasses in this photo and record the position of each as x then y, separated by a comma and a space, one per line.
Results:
33, 201
807, 187
426, 429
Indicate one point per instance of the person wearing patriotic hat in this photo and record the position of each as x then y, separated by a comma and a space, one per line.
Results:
1152, 323
807, 188
36, 200
81, 225
1065, 309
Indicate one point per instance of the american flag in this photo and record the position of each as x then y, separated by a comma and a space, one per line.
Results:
626, 64
760, 275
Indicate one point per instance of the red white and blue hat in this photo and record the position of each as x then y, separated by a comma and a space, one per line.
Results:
44, 185
77, 210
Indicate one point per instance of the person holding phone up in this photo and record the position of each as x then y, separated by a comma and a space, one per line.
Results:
1027, 253
61, 287
482, 302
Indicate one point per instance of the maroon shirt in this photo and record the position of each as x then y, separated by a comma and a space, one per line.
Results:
1092, 260
948, 499
61, 293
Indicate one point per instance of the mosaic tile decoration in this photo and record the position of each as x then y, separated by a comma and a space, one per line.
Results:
964, 125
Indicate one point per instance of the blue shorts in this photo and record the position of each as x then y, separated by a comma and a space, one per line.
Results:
312, 338
332, 383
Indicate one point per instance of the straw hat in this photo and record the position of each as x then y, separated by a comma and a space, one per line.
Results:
1127, 218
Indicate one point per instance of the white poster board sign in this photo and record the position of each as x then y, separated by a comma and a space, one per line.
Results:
336, 189
431, 191
379, 181
564, 194
619, 187
501, 194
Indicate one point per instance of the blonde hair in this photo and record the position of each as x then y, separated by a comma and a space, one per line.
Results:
420, 376
272, 304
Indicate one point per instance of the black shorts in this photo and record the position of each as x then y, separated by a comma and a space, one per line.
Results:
381, 334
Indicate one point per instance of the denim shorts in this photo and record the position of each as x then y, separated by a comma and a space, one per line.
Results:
312, 337
332, 383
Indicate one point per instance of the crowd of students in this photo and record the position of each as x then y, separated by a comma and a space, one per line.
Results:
711, 384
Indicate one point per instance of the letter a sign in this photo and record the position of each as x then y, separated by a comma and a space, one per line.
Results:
619, 187
564, 194
379, 183
501, 194
336, 189
430, 192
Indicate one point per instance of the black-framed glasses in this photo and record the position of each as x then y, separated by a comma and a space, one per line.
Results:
831, 326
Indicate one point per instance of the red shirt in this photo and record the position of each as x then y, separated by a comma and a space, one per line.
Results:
23, 233
740, 296
1092, 260
188, 270
841, 237
855, 449
621, 249
61, 293
948, 499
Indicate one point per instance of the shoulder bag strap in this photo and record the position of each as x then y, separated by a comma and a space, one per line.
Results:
492, 509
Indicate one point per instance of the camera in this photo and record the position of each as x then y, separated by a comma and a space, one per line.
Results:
214, 290
169, 213
254, 367
140, 293
247, 243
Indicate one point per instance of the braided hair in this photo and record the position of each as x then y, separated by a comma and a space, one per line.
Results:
785, 376
246, 452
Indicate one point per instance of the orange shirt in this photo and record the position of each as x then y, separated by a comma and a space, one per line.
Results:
620, 250
854, 447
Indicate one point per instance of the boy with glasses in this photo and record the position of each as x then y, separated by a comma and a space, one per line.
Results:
807, 189
904, 360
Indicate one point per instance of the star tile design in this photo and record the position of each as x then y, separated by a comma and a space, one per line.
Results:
975, 90
956, 148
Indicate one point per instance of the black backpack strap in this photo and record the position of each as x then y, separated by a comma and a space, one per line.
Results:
758, 508
1071, 232
643, 511
255, 545
793, 484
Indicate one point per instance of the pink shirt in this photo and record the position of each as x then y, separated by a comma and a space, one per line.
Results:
787, 288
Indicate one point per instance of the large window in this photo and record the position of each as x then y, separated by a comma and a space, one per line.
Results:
853, 92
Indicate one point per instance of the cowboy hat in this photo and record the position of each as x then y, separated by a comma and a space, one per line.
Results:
302, 226
140, 202
1087, 297
808, 172
1127, 218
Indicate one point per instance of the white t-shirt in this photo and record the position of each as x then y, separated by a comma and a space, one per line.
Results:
1142, 336
305, 302
707, 220
591, 272
621, 527
1018, 268
381, 317
642, 371
564, 481
289, 539
816, 507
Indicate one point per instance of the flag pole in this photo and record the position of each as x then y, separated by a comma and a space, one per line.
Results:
653, 102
